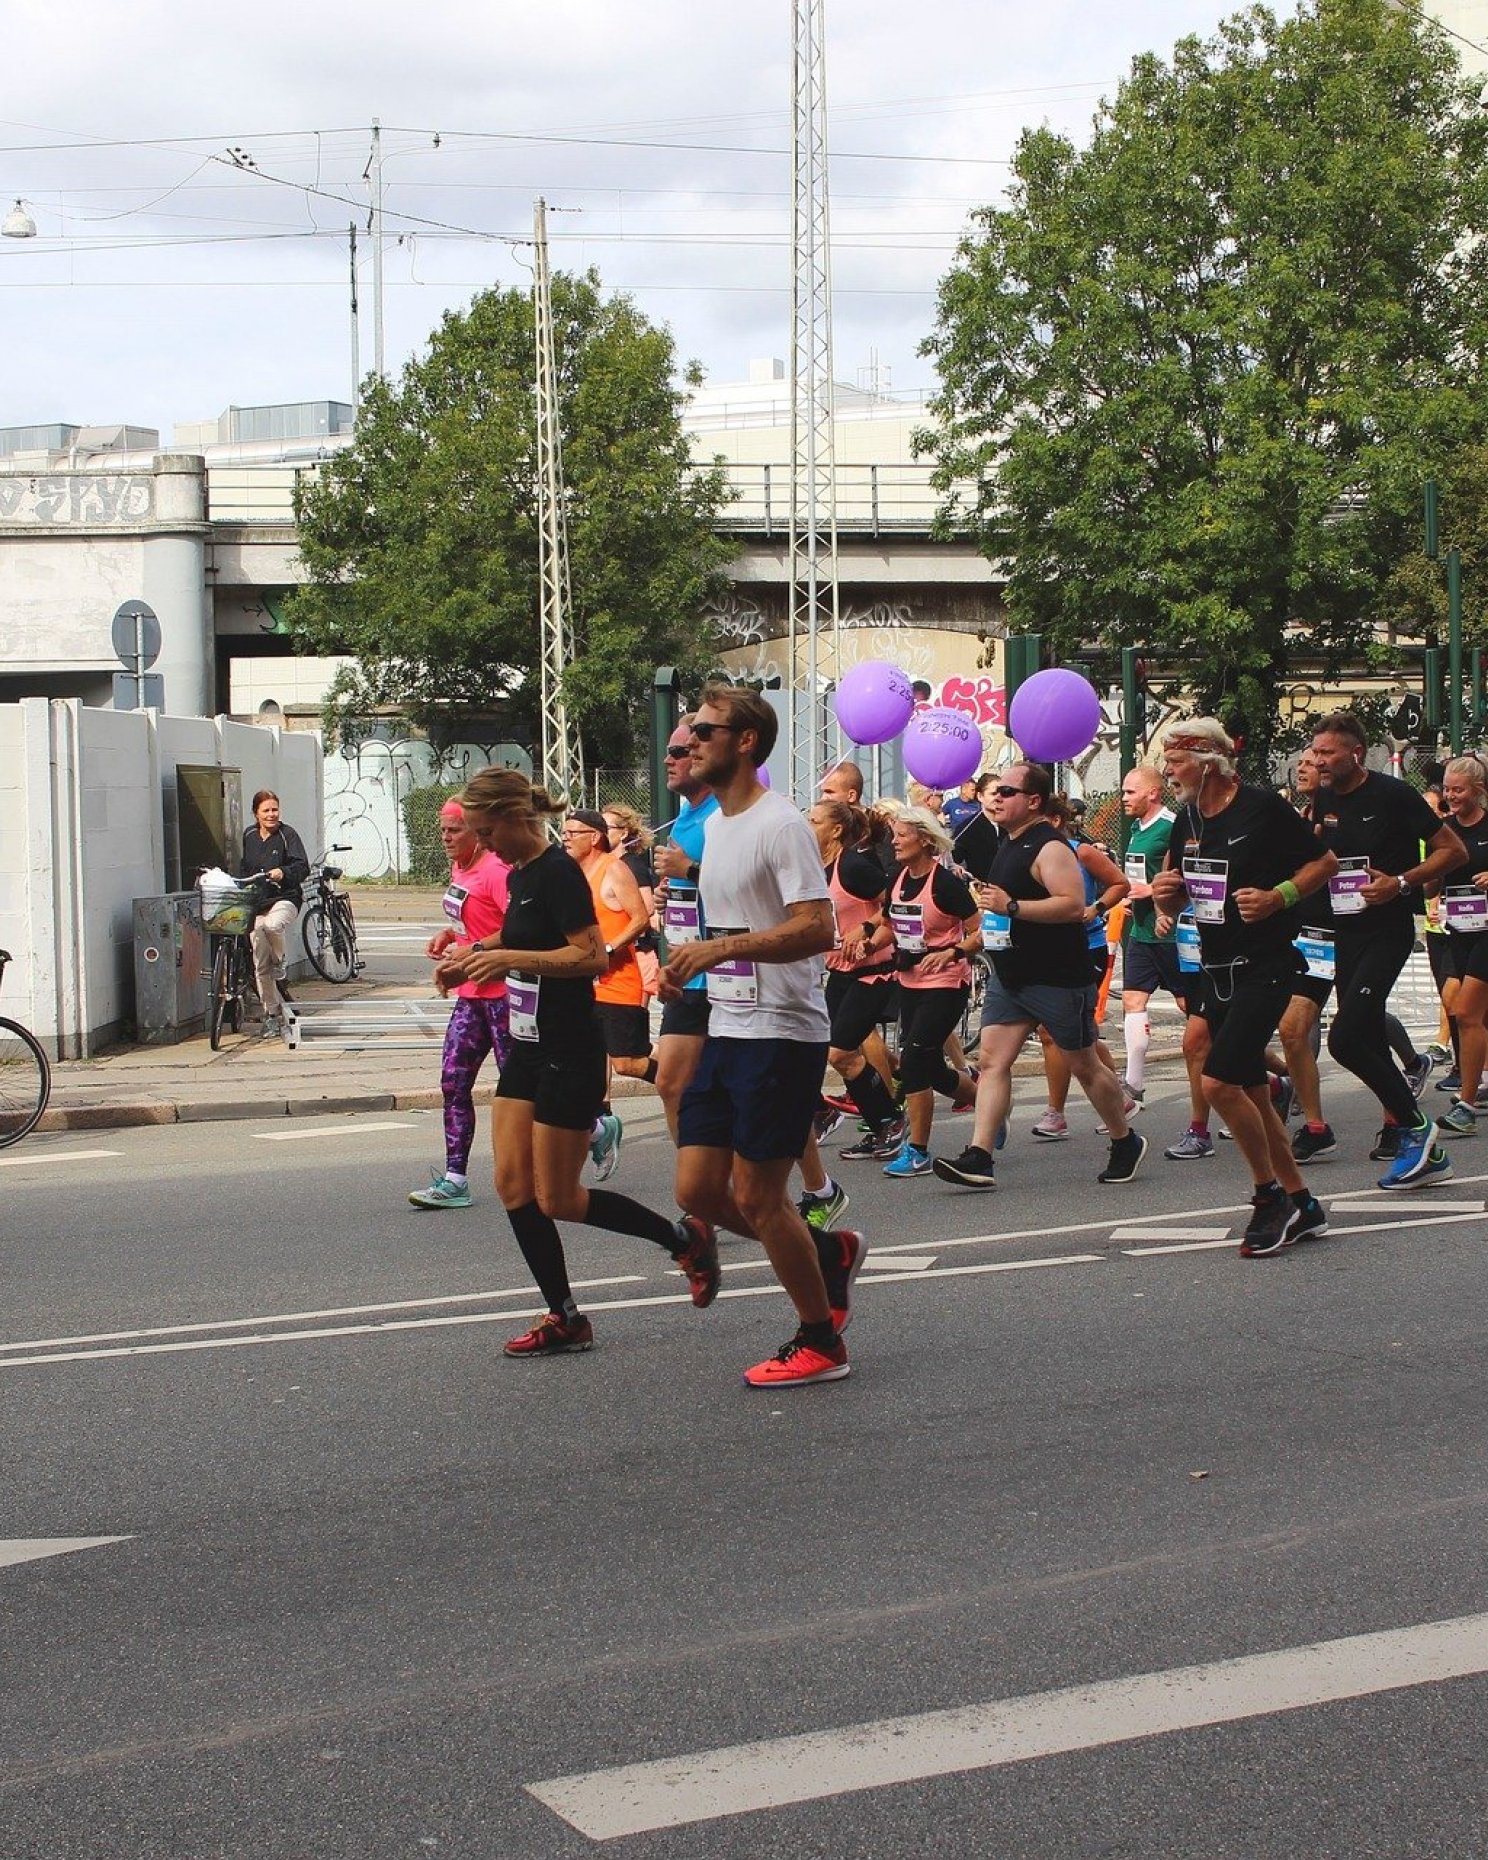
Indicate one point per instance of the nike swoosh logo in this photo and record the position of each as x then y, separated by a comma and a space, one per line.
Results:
1238, 837
1366, 817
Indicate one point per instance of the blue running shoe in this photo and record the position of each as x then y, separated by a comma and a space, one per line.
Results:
1418, 1158
604, 1145
910, 1161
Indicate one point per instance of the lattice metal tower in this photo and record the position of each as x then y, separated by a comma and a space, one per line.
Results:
562, 755
813, 523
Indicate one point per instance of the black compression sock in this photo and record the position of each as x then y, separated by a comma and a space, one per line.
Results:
819, 1336
869, 1093
649, 1075
537, 1236
621, 1215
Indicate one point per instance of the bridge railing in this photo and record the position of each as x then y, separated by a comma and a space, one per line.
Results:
873, 499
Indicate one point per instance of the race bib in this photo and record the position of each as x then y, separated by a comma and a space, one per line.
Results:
454, 904
908, 924
1136, 869
1316, 949
1187, 939
1346, 886
1465, 909
997, 930
522, 993
1208, 883
734, 980
683, 921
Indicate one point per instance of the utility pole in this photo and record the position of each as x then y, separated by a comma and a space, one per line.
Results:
374, 167
562, 756
814, 600
356, 336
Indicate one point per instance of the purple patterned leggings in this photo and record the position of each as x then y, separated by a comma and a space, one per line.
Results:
476, 1027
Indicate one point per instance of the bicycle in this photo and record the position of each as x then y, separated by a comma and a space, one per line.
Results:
328, 926
25, 1077
228, 922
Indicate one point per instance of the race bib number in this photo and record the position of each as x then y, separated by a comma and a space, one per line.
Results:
522, 992
908, 924
1465, 909
1136, 869
1208, 883
454, 904
1187, 939
734, 980
1316, 949
1346, 886
997, 930
683, 921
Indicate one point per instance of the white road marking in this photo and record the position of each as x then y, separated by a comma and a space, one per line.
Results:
1356, 1204
1188, 1246
32, 1549
1171, 1233
56, 1156
350, 1128
606, 1805
301, 1317
1361, 1227
903, 1261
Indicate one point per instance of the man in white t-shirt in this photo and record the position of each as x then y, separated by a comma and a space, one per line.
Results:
745, 1117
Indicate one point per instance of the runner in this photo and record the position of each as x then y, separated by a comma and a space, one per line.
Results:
475, 903
1034, 909
930, 926
549, 953
1376, 826
619, 994
974, 847
1299, 1030
862, 991
745, 1117
1464, 909
632, 838
1242, 858
684, 1019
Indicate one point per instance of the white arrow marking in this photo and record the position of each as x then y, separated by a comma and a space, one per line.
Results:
32, 1549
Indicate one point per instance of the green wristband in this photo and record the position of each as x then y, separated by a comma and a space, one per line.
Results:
1288, 893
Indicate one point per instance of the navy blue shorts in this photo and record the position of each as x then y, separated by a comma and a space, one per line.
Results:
754, 1097
687, 1015
1150, 968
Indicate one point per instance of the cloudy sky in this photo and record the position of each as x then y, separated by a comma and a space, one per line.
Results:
192, 172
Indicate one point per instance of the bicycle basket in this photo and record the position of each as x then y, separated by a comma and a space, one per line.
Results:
229, 913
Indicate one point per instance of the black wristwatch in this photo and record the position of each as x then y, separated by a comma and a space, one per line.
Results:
694, 873
1012, 909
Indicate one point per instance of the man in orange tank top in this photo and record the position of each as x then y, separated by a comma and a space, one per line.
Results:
619, 994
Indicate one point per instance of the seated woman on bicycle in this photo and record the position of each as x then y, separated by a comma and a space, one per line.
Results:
275, 853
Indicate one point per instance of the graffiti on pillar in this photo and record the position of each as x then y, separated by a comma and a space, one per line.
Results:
366, 784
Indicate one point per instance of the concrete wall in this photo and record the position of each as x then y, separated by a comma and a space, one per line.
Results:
82, 835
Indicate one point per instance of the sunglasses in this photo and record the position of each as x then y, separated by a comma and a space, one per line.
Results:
1003, 792
675, 752
579, 833
705, 732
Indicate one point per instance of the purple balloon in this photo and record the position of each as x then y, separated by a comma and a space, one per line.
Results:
1054, 715
873, 701
942, 748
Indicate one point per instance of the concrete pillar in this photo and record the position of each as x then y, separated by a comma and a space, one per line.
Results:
175, 584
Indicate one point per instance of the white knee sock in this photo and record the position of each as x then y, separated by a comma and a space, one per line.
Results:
1138, 1034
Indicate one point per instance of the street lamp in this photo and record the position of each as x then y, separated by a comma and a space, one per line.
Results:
18, 223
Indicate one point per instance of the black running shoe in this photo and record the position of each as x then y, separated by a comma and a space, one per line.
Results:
1124, 1158
1386, 1144
1309, 1222
1309, 1144
971, 1169
1270, 1227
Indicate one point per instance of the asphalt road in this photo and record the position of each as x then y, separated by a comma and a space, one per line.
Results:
377, 1587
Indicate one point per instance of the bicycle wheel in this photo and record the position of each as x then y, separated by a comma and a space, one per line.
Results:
326, 945
25, 1082
221, 984
240, 981
348, 931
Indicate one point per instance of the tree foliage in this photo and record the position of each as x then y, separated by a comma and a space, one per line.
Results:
1196, 372
420, 541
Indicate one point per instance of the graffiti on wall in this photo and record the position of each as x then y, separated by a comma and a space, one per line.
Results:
76, 498
365, 787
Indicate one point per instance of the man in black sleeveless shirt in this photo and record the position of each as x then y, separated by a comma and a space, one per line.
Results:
1035, 894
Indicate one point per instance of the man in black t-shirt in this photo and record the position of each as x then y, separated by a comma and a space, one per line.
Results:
1241, 859
974, 847
1377, 827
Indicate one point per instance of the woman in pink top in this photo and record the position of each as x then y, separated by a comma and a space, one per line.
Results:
475, 905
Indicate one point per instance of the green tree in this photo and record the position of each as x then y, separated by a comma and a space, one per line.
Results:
1195, 372
420, 540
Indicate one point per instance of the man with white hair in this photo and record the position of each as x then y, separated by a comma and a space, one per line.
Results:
1242, 859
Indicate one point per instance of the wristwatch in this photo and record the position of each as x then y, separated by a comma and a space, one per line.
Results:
694, 872
1013, 907
1404, 884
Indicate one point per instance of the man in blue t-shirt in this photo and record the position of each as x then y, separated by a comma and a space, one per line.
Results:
684, 1022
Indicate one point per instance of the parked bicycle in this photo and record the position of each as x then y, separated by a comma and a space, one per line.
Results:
228, 919
328, 926
25, 1076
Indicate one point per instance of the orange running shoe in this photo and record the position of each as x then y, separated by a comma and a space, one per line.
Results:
698, 1259
551, 1336
797, 1363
